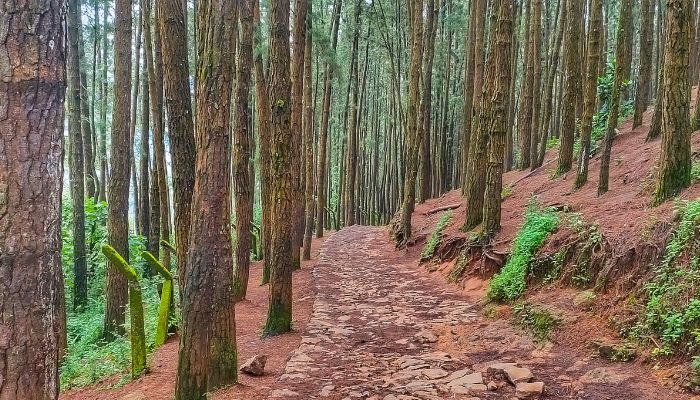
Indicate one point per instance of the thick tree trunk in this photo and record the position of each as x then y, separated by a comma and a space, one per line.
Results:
173, 28
283, 144
496, 111
675, 159
207, 356
31, 111
242, 180
118, 192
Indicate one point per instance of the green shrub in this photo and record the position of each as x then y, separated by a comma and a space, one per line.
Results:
510, 283
538, 321
434, 240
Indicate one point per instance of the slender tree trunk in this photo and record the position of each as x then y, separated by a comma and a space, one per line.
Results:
242, 180
496, 111
173, 28
525, 120
351, 133
104, 83
144, 161
536, 36
308, 127
675, 159
207, 356
75, 157
322, 184
646, 47
424, 184
283, 144
132, 124
572, 89
591, 86
31, 303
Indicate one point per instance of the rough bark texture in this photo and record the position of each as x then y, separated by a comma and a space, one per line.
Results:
646, 47
118, 192
242, 180
32, 89
536, 35
351, 134
144, 158
590, 91
496, 109
171, 19
572, 89
525, 123
614, 102
279, 315
207, 356
675, 160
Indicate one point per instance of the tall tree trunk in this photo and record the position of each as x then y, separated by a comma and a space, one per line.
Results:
132, 124
296, 107
118, 193
496, 111
536, 36
207, 356
675, 159
242, 180
31, 111
321, 176
144, 160
621, 56
283, 144
424, 183
591, 87
525, 120
173, 28
402, 232
308, 127
646, 47
572, 89
104, 83
351, 133
75, 157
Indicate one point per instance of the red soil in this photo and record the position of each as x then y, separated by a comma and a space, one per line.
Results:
159, 383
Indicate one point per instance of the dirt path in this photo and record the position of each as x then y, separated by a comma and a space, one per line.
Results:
384, 329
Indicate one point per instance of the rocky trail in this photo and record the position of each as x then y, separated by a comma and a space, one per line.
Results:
382, 328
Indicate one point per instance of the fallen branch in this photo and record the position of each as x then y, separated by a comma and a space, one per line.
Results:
529, 174
443, 208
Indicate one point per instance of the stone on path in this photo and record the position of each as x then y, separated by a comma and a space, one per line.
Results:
471, 379
255, 365
518, 375
529, 390
283, 393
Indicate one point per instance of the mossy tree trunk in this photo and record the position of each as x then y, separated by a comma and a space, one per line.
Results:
675, 159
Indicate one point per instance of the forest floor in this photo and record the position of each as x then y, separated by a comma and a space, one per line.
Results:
372, 322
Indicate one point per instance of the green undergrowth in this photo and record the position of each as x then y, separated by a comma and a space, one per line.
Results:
88, 357
510, 283
434, 239
538, 321
672, 316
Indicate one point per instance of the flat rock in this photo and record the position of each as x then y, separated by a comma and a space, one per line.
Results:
458, 374
518, 375
526, 390
434, 373
283, 393
255, 365
602, 375
426, 336
469, 389
472, 379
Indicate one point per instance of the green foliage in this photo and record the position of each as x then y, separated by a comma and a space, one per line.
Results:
510, 283
695, 171
88, 358
435, 237
538, 321
457, 271
673, 307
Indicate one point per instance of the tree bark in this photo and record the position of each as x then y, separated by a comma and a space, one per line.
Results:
242, 183
173, 28
118, 192
675, 159
283, 144
207, 356
308, 127
32, 89
646, 47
